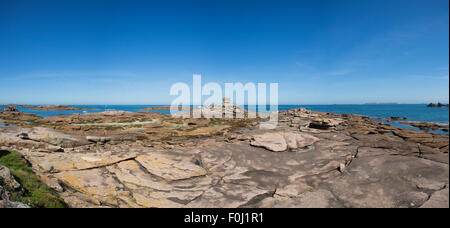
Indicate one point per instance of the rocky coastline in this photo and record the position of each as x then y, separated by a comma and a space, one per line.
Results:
311, 159
165, 108
57, 108
427, 126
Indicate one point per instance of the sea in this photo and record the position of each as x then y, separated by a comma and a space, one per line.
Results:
414, 112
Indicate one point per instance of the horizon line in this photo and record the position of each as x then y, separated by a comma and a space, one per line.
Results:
54, 104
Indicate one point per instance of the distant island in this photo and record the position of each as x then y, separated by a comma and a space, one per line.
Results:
57, 108
375, 103
13, 107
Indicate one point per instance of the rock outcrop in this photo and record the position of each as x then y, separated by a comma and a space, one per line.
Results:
320, 123
57, 108
432, 104
280, 141
6, 179
10, 109
427, 126
8, 183
6, 203
109, 160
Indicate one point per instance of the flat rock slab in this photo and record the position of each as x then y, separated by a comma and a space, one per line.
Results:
388, 181
438, 200
171, 166
229, 196
131, 175
97, 185
272, 141
182, 193
40, 139
281, 141
313, 199
54, 137
293, 173
58, 162
126, 183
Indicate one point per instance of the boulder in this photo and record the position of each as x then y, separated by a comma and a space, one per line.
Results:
320, 123
98, 139
296, 141
11, 109
272, 141
278, 142
23, 135
5, 203
7, 179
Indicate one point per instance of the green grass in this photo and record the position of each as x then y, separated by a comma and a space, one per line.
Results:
33, 124
112, 128
37, 194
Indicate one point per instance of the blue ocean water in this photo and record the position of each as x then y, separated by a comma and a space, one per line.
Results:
414, 112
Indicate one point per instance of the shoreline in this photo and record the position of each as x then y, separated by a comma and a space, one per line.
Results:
401, 122
149, 159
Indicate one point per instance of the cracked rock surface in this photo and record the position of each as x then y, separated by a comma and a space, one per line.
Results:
355, 162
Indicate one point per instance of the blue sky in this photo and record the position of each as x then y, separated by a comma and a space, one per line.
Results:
131, 52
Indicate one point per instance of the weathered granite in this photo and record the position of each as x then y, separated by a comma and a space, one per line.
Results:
153, 160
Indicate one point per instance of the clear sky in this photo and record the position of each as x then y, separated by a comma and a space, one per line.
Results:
131, 52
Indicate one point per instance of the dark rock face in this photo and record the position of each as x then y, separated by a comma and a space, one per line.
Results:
11, 109
5, 203
7, 181
432, 104
398, 118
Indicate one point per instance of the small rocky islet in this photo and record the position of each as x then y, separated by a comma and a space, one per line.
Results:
148, 159
439, 105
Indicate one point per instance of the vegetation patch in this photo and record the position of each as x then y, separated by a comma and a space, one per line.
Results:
141, 137
37, 194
